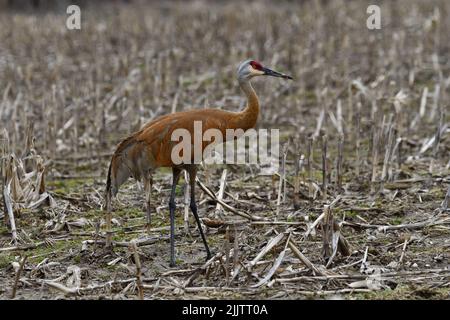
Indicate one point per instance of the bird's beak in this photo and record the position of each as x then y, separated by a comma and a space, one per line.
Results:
268, 72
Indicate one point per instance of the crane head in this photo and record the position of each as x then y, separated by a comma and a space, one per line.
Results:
252, 68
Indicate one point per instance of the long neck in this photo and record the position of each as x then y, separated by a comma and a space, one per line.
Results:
247, 118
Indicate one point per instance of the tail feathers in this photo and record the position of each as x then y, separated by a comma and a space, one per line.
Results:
118, 173
130, 159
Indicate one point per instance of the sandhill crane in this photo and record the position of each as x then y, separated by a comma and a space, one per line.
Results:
142, 152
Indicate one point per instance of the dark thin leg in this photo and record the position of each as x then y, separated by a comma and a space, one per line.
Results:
176, 175
192, 174
148, 193
108, 220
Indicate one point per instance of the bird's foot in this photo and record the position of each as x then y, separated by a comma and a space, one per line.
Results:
109, 248
173, 262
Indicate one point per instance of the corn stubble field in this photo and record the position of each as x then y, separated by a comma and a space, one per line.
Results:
359, 209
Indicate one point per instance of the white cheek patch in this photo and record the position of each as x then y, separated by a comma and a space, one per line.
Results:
254, 71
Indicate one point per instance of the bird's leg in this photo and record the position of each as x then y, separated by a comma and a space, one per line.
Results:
192, 174
148, 194
176, 175
108, 220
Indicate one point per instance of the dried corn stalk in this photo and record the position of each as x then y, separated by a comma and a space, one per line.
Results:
22, 188
333, 240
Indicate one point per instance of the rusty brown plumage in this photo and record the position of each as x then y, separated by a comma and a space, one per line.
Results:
144, 151
151, 147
